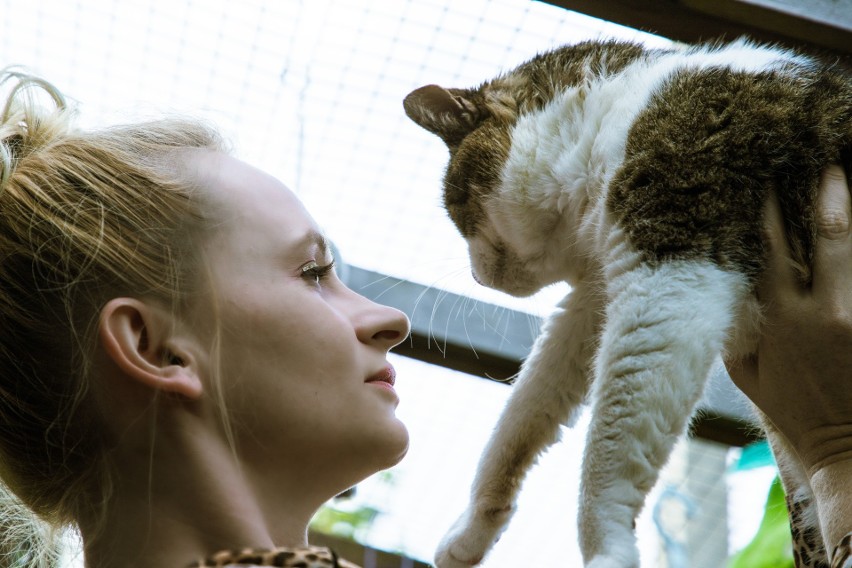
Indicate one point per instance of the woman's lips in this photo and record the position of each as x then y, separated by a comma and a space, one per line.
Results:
385, 378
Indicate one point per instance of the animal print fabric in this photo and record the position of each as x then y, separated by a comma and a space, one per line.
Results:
808, 548
842, 555
301, 557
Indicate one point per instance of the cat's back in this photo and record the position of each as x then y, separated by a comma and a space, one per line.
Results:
722, 126
678, 146
585, 100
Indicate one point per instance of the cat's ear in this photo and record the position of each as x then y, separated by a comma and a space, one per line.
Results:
449, 113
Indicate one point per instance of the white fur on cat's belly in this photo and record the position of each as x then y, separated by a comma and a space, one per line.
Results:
665, 326
623, 265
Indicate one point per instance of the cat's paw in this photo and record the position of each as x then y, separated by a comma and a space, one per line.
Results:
614, 561
446, 559
467, 542
461, 549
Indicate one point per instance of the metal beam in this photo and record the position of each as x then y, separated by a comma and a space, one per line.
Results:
823, 26
489, 341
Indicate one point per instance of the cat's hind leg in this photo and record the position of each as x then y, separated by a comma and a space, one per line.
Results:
666, 324
550, 389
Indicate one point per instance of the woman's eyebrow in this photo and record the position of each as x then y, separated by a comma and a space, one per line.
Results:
316, 238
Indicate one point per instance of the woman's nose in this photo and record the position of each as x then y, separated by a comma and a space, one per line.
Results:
381, 325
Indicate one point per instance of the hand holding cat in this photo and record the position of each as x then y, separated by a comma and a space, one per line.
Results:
798, 376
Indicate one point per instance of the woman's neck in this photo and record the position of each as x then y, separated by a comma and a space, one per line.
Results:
189, 500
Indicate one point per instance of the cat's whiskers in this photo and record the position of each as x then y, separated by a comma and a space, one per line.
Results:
378, 281
430, 336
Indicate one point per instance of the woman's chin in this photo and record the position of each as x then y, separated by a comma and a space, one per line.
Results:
398, 446
392, 448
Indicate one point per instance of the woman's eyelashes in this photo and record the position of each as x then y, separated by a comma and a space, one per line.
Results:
316, 272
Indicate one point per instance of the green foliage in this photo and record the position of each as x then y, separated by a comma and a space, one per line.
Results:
350, 516
339, 520
772, 546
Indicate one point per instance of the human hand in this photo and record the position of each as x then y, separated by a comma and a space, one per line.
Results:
801, 375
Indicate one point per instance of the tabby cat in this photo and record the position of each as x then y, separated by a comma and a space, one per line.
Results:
639, 176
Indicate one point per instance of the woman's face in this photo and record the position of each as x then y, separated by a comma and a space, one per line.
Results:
303, 358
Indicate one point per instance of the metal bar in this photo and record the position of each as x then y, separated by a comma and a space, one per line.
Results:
489, 341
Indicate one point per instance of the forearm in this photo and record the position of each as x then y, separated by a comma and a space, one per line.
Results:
832, 487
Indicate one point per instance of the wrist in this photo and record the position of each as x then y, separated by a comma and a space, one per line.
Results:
825, 447
832, 487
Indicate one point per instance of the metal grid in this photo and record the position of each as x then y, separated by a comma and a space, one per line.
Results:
311, 91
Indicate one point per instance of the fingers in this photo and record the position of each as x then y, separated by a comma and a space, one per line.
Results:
833, 254
779, 276
744, 374
795, 315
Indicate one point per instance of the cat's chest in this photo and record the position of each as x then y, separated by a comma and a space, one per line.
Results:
563, 157
575, 141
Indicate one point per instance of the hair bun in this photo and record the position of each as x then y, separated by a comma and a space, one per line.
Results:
25, 125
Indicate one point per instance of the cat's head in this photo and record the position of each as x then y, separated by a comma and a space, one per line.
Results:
503, 219
503, 186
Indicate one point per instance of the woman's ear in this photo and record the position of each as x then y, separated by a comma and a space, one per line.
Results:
140, 338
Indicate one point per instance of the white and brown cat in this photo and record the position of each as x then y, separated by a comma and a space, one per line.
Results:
639, 176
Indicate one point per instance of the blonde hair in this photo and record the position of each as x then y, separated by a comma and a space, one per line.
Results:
84, 216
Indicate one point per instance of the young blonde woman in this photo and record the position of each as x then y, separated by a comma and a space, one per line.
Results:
182, 375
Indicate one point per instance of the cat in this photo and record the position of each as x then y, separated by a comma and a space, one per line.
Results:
639, 176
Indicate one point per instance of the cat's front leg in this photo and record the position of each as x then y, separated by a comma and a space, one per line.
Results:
551, 387
666, 324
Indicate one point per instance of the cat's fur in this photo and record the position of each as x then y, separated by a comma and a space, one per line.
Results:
640, 177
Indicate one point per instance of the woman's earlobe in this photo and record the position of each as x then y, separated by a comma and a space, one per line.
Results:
139, 338
182, 371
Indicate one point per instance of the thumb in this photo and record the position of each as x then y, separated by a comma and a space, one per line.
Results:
744, 373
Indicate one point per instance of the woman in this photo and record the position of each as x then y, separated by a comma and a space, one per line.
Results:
800, 376
181, 371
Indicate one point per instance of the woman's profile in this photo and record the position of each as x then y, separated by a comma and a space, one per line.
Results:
182, 375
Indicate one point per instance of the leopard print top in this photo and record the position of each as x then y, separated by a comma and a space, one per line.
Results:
841, 557
807, 551
300, 557
808, 548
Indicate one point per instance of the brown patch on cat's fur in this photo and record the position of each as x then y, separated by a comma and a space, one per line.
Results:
476, 123
701, 158
536, 82
449, 113
473, 174
472, 125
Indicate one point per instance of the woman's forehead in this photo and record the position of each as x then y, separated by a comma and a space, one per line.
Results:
249, 202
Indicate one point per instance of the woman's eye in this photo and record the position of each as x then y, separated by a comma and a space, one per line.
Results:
316, 272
